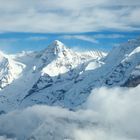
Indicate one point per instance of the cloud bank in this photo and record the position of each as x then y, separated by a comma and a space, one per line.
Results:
109, 114
69, 15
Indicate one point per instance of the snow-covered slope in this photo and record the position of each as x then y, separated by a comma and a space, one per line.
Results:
124, 60
61, 76
9, 70
96, 54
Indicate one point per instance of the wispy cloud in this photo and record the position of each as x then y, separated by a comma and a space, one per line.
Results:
9, 40
30, 38
36, 38
110, 36
81, 37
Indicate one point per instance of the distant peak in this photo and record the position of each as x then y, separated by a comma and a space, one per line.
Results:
56, 47
58, 43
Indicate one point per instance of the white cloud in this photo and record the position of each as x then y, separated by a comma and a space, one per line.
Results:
8, 39
35, 38
109, 114
98, 36
68, 15
5, 138
30, 38
81, 37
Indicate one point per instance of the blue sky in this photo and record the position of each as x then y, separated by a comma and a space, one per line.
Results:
102, 24
17, 42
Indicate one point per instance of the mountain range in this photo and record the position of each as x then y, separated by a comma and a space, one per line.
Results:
60, 76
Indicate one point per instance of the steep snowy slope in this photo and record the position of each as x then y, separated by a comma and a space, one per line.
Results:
125, 59
134, 76
94, 54
9, 70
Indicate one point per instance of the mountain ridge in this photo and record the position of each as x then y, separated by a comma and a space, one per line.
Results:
60, 76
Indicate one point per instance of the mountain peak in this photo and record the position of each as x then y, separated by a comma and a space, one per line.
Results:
57, 48
56, 45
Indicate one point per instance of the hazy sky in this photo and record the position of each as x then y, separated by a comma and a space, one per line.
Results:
79, 20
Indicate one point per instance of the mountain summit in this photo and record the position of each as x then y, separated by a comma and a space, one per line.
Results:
57, 50
57, 45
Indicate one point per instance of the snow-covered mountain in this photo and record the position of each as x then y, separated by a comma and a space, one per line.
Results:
61, 76
125, 61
